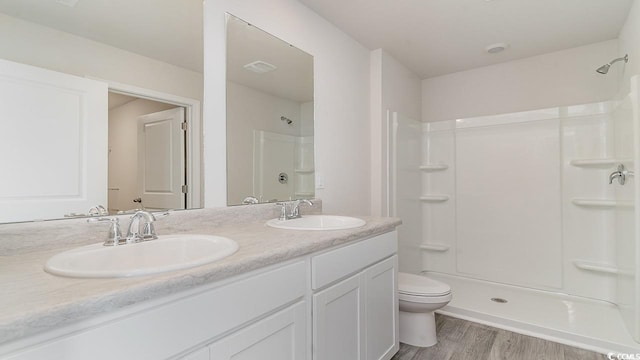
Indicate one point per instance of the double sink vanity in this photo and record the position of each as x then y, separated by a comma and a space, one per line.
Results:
229, 283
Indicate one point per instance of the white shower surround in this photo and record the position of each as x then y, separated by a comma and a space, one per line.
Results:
511, 183
522, 199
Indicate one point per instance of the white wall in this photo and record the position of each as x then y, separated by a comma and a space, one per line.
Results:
629, 43
341, 87
397, 89
247, 110
306, 116
37, 45
123, 151
566, 77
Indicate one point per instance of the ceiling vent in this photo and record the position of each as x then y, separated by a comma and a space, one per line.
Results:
496, 48
260, 67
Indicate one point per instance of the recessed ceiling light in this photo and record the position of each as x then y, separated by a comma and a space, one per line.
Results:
260, 67
496, 48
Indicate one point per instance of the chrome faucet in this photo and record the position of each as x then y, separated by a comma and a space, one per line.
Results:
98, 210
134, 234
250, 200
148, 231
294, 207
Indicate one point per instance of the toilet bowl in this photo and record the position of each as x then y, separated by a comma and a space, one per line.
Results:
419, 297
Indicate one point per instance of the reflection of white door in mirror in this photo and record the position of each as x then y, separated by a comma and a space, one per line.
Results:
62, 163
161, 159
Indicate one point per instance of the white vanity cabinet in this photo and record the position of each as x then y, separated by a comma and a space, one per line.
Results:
355, 309
335, 305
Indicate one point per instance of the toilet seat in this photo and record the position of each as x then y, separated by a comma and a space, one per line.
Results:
416, 286
421, 299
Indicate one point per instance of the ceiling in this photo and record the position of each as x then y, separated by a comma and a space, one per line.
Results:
431, 37
117, 100
171, 31
166, 30
437, 37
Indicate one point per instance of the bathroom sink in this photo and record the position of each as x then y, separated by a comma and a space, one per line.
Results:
318, 222
167, 253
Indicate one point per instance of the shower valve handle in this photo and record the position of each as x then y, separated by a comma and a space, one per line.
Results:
621, 175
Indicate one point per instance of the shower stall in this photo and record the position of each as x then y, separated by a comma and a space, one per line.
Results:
517, 214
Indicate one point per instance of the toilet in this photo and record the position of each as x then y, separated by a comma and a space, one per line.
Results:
419, 297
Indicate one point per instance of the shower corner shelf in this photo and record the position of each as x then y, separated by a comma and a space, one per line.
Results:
434, 198
595, 267
435, 247
304, 170
600, 203
434, 167
604, 163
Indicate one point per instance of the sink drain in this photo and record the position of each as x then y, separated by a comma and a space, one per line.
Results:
499, 300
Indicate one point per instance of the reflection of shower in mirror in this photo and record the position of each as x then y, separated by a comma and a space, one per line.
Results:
286, 119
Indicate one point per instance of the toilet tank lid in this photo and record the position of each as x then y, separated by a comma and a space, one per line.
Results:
419, 285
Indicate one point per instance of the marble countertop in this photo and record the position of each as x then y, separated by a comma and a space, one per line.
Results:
34, 301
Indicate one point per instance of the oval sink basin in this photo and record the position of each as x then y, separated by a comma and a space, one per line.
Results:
318, 222
167, 253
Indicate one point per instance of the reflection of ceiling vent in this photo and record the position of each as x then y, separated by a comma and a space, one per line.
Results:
260, 67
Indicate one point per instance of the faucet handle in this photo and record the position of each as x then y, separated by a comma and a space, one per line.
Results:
283, 211
114, 238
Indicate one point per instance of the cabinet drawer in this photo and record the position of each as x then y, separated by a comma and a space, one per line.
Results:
337, 264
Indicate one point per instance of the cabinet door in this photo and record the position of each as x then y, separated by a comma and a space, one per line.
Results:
338, 321
381, 309
282, 336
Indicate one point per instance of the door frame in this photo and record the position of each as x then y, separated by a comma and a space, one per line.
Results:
194, 132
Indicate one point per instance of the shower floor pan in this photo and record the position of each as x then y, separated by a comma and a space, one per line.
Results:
571, 320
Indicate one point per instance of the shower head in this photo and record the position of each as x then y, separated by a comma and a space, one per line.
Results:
605, 68
287, 120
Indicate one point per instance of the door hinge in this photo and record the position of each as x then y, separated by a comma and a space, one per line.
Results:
185, 189
183, 126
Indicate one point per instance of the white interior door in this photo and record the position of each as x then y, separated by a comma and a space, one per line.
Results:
161, 159
57, 124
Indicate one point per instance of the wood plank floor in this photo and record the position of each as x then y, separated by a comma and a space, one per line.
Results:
461, 340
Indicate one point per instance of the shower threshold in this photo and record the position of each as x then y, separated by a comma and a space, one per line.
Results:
589, 324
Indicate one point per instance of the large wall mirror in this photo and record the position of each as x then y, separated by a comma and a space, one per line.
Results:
100, 104
269, 117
